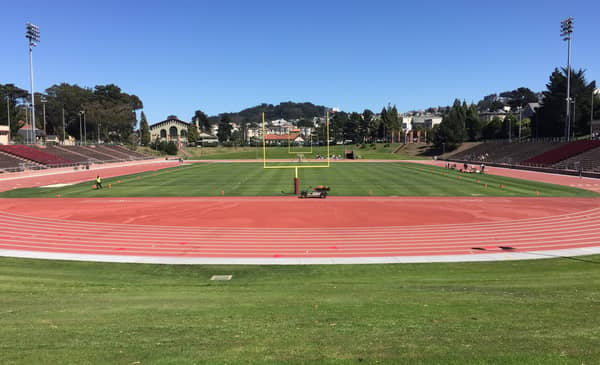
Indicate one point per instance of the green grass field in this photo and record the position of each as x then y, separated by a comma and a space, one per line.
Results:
378, 151
528, 312
345, 179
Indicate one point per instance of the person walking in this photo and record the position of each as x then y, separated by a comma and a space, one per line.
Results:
98, 182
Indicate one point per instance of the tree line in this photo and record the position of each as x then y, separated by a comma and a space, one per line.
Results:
462, 122
109, 113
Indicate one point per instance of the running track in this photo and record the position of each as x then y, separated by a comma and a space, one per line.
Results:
286, 230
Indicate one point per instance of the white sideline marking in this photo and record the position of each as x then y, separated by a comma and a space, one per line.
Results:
56, 185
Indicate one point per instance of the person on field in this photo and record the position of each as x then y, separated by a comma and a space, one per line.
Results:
98, 182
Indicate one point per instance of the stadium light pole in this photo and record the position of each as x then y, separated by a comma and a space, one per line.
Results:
566, 27
32, 33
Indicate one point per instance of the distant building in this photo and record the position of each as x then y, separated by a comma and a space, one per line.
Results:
283, 139
488, 116
427, 121
170, 129
529, 110
4, 131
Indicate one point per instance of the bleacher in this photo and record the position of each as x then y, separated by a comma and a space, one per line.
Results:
133, 154
69, 154
586, 161
90, 154
9, 163
503, 152
18, 157
119, 153
35, 155
561, 153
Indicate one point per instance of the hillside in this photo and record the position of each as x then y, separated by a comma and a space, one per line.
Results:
287, 110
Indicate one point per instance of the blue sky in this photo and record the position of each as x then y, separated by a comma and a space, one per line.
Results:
223, 56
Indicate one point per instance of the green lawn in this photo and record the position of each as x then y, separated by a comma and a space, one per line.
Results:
378, 151
527, 312
345, 179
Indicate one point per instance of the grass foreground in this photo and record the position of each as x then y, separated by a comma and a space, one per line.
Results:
524, 312
344, 178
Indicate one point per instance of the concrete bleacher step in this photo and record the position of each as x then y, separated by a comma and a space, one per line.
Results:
22, 160
91, 159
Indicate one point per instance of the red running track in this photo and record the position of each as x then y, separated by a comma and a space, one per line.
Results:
284, 230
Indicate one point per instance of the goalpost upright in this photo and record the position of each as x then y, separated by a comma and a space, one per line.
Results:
295, 167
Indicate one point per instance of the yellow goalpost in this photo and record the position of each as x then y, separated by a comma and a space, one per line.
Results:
296, 167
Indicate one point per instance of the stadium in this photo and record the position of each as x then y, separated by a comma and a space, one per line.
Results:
462, 243
205, 211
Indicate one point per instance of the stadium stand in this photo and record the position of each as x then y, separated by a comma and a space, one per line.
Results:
91, 154
72, 155
133, 154
561, 153
19, 157
36, 155
586, 161
119, 152
503, 152
10, 163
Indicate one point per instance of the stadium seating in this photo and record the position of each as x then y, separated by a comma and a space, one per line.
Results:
18, 157
72, 155
10, 163
587, 161
561, 153
504, 152
134, 155
118, 152
36, 155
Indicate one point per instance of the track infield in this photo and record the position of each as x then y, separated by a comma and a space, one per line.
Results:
286, 230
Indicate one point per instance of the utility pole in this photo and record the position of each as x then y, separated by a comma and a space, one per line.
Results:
566, 27
63, 122
80, 127
520, 121
84, 130
43, 100
8, 114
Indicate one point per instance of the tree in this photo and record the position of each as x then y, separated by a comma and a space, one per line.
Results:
224, 132
472, 123
493, 129
105, 106
192, 134
171, 148
450, 133
338, 125
201, 120
519, 97
391, 121
144, 130
236, 137
11, 97
551, 116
